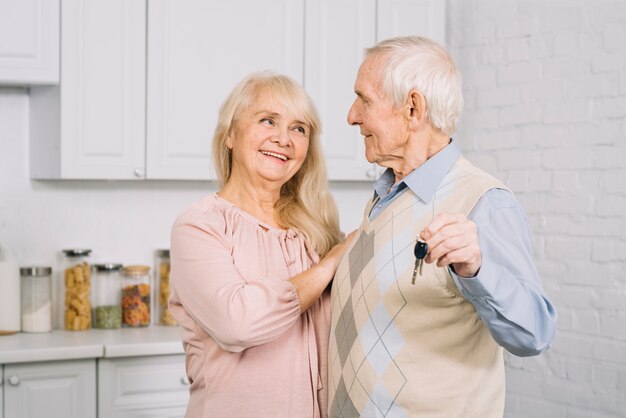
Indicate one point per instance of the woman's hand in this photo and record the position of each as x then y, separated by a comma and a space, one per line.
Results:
311, 283
333, 257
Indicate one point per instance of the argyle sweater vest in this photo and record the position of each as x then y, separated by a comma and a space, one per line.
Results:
411, 350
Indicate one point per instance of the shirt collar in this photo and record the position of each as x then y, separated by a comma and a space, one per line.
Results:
425, 179
382, 186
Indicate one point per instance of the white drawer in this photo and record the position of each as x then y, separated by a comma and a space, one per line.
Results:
154, 386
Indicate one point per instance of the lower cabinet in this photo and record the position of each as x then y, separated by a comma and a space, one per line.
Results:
56, 389
129, 387
141, 387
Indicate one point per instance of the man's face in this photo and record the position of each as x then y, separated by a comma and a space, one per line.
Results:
384, 126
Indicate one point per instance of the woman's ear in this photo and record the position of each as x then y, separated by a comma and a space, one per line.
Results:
229, 141
417, 108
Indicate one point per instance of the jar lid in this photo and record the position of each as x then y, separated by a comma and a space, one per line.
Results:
76, 252
35, 271
135, 270
163, 253
107, 267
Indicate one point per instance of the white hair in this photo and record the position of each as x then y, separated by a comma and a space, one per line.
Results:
418, 63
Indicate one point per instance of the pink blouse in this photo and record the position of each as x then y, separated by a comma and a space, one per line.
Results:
249, 351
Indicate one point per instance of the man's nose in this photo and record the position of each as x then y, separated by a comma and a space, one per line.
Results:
353, 115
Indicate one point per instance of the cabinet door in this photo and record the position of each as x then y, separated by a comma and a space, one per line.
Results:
103, 86
138, 387
337, 32
93, 125
63, 389
29, 41
197, 51
412, 17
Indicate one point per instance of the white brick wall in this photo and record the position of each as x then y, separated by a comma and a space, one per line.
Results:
545, 88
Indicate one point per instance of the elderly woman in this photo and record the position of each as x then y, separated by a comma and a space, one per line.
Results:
248, 285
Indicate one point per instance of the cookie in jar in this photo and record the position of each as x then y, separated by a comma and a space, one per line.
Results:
136, 296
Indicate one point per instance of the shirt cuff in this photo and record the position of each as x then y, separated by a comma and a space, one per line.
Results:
477, 287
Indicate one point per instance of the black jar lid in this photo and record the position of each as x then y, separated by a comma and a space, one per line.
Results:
77, 252
35, 271
163, 253
107, 267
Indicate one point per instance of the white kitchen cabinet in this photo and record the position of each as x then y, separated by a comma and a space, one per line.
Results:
29, 42
137, 387
103, 123
92, 126
60, 389
197, 51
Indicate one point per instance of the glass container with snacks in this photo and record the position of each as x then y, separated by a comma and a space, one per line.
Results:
136, 296
162, 316
36, 299
107, 295
77, 289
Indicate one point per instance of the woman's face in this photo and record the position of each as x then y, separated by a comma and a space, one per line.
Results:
267, 142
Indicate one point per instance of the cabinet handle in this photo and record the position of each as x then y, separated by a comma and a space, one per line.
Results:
139, 172
14, 380
184, 381
371, 173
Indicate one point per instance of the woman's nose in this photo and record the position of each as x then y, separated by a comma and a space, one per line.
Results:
282, 137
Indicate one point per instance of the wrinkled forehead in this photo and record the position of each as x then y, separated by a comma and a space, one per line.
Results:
374, 64
370, 75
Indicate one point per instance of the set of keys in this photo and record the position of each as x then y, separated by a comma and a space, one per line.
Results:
420, 251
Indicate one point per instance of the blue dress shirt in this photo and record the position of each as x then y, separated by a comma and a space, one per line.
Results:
506, 291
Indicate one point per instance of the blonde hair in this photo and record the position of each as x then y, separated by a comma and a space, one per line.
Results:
305, 203
418, 63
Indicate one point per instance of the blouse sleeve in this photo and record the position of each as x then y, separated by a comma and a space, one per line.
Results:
237, 312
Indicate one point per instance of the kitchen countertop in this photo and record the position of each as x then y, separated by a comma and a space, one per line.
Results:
95, 343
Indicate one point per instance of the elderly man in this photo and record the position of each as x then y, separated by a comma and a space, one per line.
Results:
439, 277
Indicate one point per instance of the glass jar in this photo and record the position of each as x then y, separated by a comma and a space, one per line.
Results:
36, 298
77, 289
136, 296
107, 294
162, 316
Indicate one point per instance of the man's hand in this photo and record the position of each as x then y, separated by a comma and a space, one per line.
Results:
452, 240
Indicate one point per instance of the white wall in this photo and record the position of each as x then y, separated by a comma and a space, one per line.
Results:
545, 89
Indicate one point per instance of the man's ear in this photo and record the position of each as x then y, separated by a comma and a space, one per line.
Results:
417, 108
